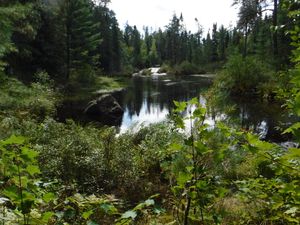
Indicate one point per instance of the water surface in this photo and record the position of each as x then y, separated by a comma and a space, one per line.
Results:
150, 99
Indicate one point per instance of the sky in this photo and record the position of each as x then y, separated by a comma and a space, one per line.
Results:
158, 13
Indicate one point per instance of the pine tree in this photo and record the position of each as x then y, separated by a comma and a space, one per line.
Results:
110, 46
80, 35
18, 25
215, 42
136, 45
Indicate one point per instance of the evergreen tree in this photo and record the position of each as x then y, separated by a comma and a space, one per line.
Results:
48, 46
80, 34
173, 40
6, 30
223, 42
208, 48
109, 48
214, 46
136, 46
153, 56
18, 26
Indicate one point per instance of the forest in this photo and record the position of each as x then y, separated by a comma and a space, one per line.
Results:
212, 156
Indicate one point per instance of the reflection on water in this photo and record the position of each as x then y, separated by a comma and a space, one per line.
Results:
145, 116
266, 119
150, 99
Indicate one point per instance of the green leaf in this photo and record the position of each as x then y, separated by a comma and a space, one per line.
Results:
87, 214
292, 128
47, 215
33, 170
29, 153
176, 147
201, 184
183, 178
90, 222
12, 193
158, 210
149, 202
292, 211
199, 112
129, 214
48, 197
200, 147
109, 208
179, 122
14, 140
193, 194
291, 219
180, 106
193, 101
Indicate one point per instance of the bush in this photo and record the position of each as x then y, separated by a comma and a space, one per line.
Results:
164, 68
186, 68
83, 76
127, 70
37, 100
96, 160
243, 75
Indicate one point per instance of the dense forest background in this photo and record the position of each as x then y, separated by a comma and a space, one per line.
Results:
55, 172
79, 39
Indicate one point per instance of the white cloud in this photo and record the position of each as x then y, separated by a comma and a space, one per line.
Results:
157, 13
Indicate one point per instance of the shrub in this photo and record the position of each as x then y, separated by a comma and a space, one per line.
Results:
37, 100
83, 76
164, 68
95, 158
186, 68
243, 75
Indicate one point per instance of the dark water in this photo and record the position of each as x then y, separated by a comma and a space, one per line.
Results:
150, 99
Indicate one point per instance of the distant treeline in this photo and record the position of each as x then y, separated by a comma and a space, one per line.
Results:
79, 38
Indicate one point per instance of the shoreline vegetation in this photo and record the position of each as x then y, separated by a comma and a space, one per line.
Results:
54, 173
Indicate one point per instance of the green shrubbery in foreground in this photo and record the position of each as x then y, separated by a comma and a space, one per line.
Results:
214, 176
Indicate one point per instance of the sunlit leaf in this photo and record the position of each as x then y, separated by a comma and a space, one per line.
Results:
33, 170
48, 197
183, 178
108, 208
87, 214
47, 215
129, 214
14, 140
149, 202
292, 210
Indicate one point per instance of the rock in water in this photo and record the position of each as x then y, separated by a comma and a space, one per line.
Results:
104, 108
